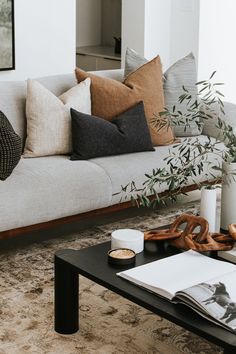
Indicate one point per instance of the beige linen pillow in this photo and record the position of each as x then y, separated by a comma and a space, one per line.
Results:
111, 98
49, 120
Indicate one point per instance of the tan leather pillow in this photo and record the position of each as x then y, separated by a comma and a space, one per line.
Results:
111, 98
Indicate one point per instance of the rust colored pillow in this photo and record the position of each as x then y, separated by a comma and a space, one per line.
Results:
111, 98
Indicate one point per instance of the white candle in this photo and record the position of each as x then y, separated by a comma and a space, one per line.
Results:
208, 207
128, 238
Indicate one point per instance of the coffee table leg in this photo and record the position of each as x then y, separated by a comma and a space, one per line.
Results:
66, 297
229, 351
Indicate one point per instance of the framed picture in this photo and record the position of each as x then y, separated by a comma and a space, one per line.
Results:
7, 45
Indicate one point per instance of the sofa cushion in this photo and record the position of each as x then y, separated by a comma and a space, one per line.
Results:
95, 137
111, 98
47, 188
12, 104
49, 120
10, 148
132, 167
13, 97
211, 127
116, 74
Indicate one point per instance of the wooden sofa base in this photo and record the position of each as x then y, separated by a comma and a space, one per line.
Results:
70, 219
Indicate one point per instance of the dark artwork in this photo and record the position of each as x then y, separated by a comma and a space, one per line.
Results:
7, 57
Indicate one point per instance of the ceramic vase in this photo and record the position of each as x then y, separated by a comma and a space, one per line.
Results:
208, 207
228, 199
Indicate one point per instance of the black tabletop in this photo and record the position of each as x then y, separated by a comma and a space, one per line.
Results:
92, 263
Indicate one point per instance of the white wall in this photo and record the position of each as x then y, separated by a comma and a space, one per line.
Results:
44, 39
133, 26
158, 30
88, 26
217, 49
184, 28
168, 28
146, 28
171, 29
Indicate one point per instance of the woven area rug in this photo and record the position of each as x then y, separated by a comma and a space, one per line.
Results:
109, 324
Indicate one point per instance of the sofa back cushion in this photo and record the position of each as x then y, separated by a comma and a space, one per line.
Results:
13, 98
13, 95
12, 104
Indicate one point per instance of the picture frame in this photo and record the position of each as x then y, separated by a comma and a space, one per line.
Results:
7, 35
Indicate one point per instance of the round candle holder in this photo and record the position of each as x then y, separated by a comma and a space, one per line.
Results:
121, 256
128, 238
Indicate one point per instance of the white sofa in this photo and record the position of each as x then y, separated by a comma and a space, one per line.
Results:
48, 188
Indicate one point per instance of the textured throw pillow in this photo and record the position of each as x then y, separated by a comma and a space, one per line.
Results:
10, 148
95, 137
48, 118
133, 61
111, 98
182, 73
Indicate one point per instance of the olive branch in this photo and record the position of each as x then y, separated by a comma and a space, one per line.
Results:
189, 159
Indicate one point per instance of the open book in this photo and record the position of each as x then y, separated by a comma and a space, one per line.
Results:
205, 284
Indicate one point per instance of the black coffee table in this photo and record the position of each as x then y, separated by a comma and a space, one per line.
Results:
92, 263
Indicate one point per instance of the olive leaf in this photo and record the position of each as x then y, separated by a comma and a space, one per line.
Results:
188, 160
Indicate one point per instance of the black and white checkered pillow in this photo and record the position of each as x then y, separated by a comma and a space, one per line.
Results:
10, 148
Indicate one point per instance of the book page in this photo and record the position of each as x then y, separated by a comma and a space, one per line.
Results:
215, 297
171, 274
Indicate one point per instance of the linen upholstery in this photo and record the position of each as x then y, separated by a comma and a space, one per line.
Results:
210, 125
117, 74
13, 98
13, 95
49, 120
125, 168
47, 188
111, 98
12, 104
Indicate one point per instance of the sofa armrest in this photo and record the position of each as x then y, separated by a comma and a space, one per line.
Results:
210, 125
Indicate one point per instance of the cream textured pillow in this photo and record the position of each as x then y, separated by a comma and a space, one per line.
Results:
49, 120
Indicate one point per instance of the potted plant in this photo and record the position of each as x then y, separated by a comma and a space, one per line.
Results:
189, 159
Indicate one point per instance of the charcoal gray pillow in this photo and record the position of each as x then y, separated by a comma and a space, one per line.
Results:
182, 73
96, 137
10, 148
